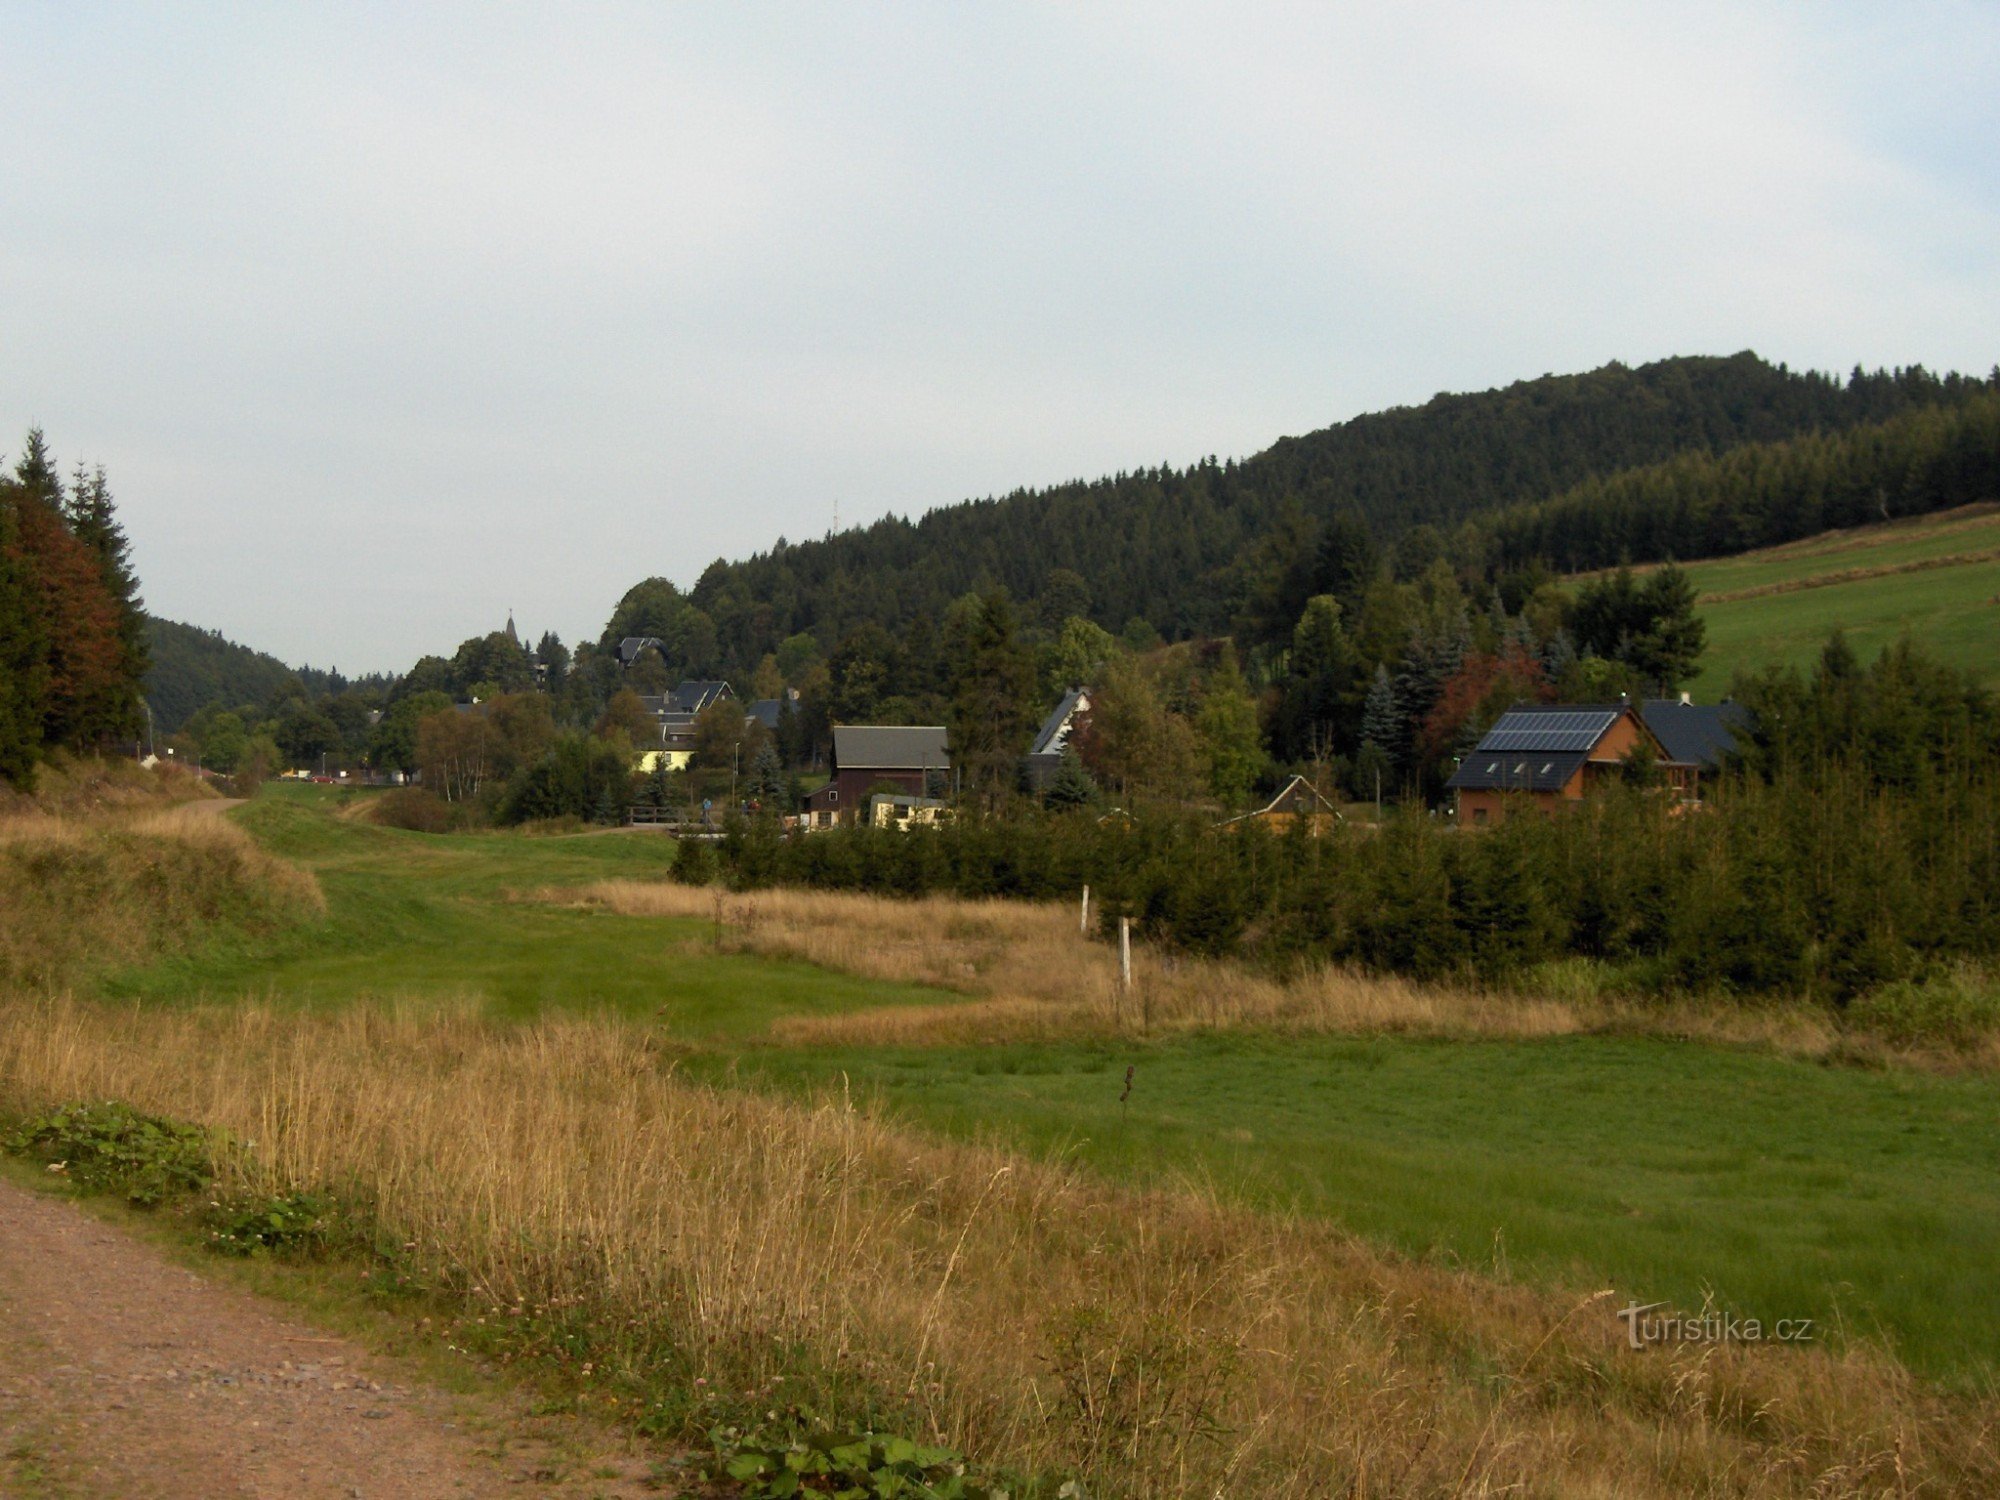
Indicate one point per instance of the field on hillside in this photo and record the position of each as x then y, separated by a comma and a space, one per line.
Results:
1935, 577
1235, 1237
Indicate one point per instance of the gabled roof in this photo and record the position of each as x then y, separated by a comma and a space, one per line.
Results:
765, 711
1054, 733
1699, 733
890, 747
1299, 795
1536, 747
632, 645
1520, 771
691, 696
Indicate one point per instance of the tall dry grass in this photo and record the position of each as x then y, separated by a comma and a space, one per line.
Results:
1160, 1342
1037, 976
92, 786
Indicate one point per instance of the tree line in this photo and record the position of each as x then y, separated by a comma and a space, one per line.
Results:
1713, 505
73, 650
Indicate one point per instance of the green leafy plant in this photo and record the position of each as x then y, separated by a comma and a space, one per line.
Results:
288, 1222
846, 1466
112, 1147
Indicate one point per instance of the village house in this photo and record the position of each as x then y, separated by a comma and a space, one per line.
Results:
902, 759
675, 713
1045, 755
1698, 734
1548, 755
1297, 799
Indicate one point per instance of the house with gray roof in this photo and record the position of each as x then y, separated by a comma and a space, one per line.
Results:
1700, 734
1542, 756
911, 760
1045, 755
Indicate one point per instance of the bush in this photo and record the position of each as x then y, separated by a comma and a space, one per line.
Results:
110, 1147
1958, 1010
694, 862
288, 1223
858, 1464
413, 808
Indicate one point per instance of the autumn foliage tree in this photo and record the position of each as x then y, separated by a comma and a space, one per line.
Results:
72, 635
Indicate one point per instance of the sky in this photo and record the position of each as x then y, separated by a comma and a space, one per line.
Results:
387, 320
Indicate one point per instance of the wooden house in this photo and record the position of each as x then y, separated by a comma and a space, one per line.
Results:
1297, 799
1548, 755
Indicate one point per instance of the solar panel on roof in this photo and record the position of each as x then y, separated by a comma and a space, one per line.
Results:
1565, 731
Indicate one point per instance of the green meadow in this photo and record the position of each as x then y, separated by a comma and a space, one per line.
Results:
443, 917
1780, 1189
1867, 1200
1947, 598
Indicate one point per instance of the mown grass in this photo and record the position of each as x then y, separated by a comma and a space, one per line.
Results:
428, 917
1779, 1188
1952, 610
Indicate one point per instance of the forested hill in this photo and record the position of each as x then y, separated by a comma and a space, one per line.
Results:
1183, 549
193, 667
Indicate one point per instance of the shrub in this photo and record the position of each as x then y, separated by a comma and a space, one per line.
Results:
694, 862
289, 1222
413, 808
1958, 1009
110, 1147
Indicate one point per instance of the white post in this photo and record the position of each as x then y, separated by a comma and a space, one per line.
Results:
1125, 954
1083, 921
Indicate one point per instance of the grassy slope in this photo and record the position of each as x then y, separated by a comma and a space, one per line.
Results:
1666, 1169
1954, 610
416, 916
1787, 1188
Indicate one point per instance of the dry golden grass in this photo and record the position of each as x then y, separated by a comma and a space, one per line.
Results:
1165, 1343
1036, 976
69, 786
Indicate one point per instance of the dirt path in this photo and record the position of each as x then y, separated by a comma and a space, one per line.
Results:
125, 1375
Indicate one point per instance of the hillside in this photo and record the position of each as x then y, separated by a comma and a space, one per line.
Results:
1186, 550
193, 667
1936, 577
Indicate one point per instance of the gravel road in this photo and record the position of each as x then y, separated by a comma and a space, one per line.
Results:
123, 1374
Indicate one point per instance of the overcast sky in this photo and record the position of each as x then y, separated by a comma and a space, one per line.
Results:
386, 319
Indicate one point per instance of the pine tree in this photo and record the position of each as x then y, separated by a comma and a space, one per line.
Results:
36, 472
23, 654
1071, 786
1381, 723
767, 774
93, 520
991, 699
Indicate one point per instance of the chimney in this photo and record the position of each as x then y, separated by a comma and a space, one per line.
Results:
1687, 700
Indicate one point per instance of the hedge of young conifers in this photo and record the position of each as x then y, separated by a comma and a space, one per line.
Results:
1820, 883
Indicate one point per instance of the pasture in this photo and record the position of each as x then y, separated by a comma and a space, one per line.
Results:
1936, 578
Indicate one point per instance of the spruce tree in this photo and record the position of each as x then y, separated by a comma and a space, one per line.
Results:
1381, 723
991, 700
93, 520
23, 654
